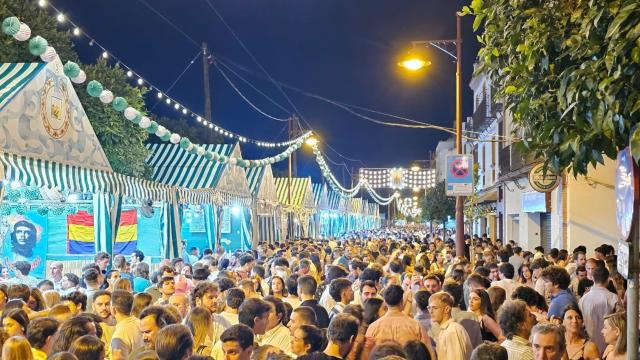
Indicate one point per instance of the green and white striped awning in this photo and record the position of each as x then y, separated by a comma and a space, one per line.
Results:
195, 176
254, 178
14, 76
49, 174
174, 166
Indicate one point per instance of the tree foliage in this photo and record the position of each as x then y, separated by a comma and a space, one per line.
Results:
568, 72
41, 23
121, 140
436, 205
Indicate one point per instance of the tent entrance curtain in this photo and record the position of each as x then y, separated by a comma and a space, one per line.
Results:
266, 229
172, 246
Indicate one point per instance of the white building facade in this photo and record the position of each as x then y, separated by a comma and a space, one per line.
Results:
580, 211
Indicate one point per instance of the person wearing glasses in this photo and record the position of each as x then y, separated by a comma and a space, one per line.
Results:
453, 341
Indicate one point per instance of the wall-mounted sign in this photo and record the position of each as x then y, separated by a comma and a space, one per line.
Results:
542, 182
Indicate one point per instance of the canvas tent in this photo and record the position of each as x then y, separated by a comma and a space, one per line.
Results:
58, 181
321, 200
266, 209
215, 197
299, 208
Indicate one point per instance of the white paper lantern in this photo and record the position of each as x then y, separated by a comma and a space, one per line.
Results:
49, 55
175, 138
130, 113
24, 33
190, 147
82, 76
145, 122
233, 161
201, 151
106, 96
161, 131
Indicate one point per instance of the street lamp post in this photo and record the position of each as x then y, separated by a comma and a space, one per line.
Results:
416, 64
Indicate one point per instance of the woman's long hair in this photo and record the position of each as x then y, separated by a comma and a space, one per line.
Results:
199, 321
371, 309
619, 321
485, 303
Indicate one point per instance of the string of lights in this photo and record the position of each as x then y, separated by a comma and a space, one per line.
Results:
160, 94
39, 46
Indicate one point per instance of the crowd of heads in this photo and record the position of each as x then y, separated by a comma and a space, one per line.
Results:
393, 294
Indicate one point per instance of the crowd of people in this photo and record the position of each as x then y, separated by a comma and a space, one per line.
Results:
389, 294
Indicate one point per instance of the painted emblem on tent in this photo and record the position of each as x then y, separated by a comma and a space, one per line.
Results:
56, 112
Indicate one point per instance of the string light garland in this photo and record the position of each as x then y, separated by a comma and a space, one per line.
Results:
141, 81
344, 192
38, 46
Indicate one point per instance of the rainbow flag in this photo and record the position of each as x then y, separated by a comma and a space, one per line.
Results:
127, 238
80, 236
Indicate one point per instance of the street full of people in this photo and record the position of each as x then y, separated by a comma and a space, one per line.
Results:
393, 293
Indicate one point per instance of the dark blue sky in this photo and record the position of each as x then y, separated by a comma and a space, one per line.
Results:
345, 50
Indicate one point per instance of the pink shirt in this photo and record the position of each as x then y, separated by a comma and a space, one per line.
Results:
397, 326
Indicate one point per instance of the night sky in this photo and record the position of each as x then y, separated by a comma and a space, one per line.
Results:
344, 50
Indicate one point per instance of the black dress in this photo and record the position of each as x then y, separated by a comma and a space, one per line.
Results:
486, 334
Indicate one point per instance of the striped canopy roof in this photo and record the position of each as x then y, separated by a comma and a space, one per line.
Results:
336, 201
320, 195
49, 174
174, 166
14, 76
261, 183
301, 192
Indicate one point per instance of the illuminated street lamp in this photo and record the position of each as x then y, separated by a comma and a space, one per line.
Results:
413, 63
311, 141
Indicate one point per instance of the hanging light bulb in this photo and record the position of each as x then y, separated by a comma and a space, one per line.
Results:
61, 18
105, 54
76, 31
176, 106
42, 3
159, 94
168, 101
205, 123
129, 73
199, 119
184, 111
140, 81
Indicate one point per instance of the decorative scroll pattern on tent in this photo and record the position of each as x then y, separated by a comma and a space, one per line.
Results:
301, 193
43, 118
14, 77
44, 173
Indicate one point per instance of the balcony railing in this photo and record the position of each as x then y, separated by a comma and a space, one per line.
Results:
511, 160
483, 116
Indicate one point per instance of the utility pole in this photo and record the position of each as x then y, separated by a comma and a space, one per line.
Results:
294, 132
206, 88
459, 199
294, 128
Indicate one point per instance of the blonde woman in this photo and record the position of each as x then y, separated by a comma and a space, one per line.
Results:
122, 284
200, 323
52, 298
614, 332
17, 348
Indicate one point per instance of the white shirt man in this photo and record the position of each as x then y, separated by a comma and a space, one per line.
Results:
453, 342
